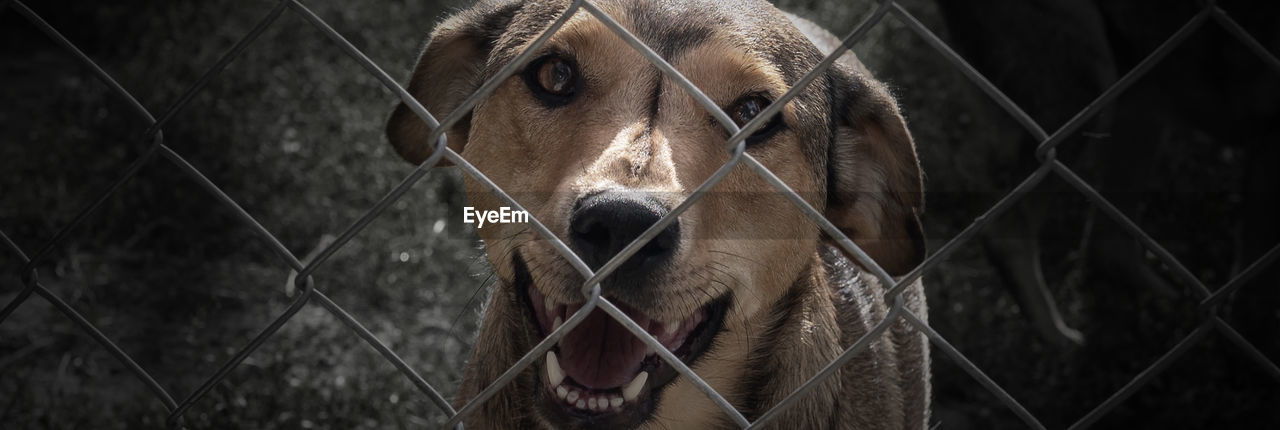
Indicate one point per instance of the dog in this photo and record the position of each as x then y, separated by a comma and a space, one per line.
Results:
598, 144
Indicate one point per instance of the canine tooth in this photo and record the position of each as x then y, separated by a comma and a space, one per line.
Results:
573, 396
633, 389
548, 304
554, 373
592, 403
648, 350
670, 327
562, 392
581, 404
615, 401
556, 324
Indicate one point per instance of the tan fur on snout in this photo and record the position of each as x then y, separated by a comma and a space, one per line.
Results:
796, 302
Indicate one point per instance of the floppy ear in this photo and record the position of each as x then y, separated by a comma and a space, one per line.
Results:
448, 71
875, 190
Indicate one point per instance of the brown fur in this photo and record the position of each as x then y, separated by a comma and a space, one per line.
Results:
797, 303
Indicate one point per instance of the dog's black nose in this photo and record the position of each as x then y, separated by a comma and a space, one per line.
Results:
604, 223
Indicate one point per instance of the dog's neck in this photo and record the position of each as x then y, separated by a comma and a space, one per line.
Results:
831, 305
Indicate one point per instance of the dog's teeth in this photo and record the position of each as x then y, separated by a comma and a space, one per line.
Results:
580, 404
554, 373
572, 397
556, 325
670, 328
561, 391
648, 350
548, 304
593, 404
615, 401
633, 389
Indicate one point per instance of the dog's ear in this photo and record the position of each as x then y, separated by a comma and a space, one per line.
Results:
874, 184
448, 71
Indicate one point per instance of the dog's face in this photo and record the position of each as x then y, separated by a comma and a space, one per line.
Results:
597, 144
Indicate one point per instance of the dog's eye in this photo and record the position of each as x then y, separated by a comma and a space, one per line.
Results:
747, 108
556, 77
553, 80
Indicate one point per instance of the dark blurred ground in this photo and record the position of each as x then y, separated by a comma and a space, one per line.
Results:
292, 130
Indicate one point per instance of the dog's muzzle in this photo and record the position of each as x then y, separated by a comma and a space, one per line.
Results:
600, 375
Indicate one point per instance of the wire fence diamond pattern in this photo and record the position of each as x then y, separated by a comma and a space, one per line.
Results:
308, 294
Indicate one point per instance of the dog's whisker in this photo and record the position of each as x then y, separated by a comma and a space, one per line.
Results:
470, 301
716, 251
722, 270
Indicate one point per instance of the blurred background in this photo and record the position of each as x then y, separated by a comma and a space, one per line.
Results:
292, 130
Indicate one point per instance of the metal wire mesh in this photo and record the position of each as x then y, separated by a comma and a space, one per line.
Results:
1210, 300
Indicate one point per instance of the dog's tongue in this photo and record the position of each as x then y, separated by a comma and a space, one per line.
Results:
599, 353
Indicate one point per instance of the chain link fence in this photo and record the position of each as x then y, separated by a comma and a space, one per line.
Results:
158, 151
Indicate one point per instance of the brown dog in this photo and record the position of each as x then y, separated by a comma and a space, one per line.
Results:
598, 144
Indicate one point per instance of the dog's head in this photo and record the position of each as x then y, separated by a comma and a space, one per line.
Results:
598, 144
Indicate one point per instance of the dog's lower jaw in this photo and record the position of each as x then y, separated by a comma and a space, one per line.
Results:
506, 336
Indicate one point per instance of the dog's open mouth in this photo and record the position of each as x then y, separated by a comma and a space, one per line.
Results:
600, 374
